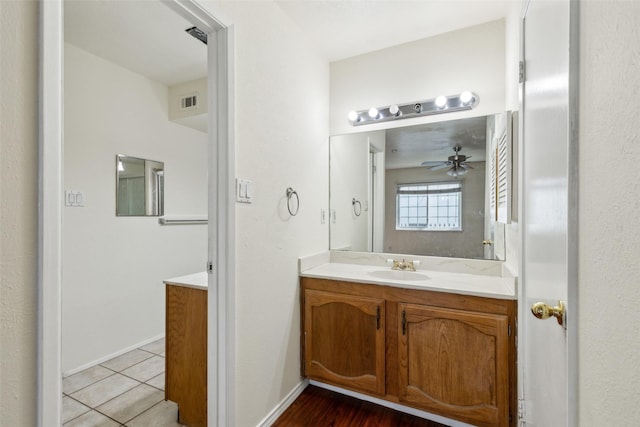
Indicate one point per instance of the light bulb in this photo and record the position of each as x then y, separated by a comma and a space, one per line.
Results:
394, 110
466, 97
441, 102
353, 116
373, 112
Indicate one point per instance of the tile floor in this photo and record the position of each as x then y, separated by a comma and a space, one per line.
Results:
125, 391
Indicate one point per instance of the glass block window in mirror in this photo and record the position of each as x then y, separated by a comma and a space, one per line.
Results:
429, 206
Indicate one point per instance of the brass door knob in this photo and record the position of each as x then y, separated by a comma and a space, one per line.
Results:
544, 311
487, 242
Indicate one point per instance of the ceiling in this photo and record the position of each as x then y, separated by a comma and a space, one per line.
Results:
346, 28
409, 146
148, 38
143, 36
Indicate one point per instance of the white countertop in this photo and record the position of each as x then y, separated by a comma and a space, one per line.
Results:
488, 286
196, 281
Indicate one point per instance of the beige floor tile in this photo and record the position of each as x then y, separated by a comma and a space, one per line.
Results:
132, 403
146, 369
156, 347
157, 381
92, 419
72, 409
75, 382
104, 390
164, 414
126, 360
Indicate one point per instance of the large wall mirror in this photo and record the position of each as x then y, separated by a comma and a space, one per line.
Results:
139, 187
431, 189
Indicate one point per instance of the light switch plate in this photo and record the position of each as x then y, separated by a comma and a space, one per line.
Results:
74, 198
244, 190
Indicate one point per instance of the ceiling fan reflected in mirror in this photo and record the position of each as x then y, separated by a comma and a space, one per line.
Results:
455, 163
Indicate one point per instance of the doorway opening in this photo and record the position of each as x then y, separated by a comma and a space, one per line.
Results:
58, 171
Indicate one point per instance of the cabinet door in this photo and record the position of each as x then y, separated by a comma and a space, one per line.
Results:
344, 340
455, 363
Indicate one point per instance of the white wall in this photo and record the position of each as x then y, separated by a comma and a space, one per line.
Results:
461, 244
113, 267
18, 211
467, 59
349, 180
609, 236
512, 101
609, 349
282, 105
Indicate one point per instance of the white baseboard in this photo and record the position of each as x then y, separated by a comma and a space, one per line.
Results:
283, 405
395, 406
110, 356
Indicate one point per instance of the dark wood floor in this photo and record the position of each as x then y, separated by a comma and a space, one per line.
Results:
317, 407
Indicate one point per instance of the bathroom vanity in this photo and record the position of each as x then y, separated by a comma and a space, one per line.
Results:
436, 340
186, 347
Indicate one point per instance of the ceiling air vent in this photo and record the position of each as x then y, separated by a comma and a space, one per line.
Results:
198, 34
189, 102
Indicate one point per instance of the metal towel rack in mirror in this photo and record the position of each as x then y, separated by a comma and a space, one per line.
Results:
290, 194
357, 207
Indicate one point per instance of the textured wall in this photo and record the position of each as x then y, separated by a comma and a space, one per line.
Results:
282, 129
18, 211
114, 266
609, 291
350, 180
460, 244
469, 59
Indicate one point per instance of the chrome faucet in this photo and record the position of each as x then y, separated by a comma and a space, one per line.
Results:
403, 265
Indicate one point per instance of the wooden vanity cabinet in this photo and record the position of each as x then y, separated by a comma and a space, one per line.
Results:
448, 354
344, 339
455, 362
186, 353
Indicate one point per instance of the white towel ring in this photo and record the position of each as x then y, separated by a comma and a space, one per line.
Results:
290, 193
356, 210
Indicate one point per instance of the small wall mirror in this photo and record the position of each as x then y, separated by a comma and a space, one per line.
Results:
139, 187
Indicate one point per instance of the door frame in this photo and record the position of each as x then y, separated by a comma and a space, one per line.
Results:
572, 221
221, 254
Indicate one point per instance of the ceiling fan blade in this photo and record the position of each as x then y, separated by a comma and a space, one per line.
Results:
440, 166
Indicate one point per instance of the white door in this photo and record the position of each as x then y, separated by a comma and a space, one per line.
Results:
549, 213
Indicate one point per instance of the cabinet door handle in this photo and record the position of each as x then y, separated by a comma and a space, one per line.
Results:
378, 317
404, 322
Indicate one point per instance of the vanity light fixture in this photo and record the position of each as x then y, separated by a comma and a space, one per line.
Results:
466, 97
442, 104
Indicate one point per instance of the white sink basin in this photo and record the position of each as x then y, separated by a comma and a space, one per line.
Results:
398, 275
